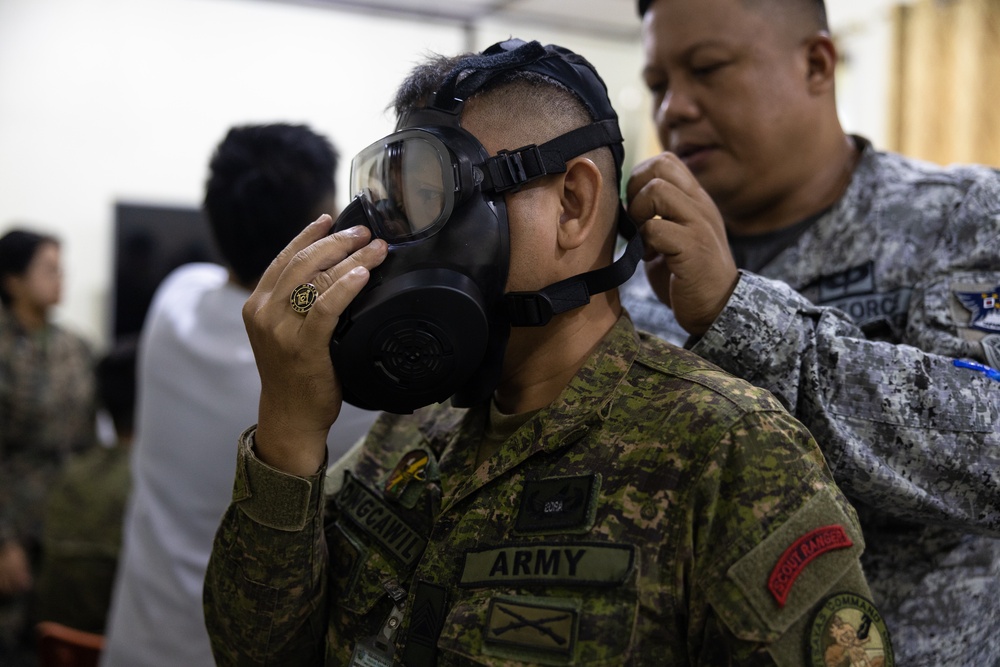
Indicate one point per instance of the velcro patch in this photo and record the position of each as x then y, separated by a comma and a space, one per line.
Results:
848, 630
573, 564
426, 622
376, 518
558, 503
535, 626
983, 306
804, 550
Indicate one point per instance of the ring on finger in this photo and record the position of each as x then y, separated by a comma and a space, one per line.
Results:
303, 297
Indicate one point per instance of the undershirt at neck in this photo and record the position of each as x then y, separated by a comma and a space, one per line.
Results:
499, 428
753, 252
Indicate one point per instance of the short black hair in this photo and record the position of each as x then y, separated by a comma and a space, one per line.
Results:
816, 7
266, 182
17, 248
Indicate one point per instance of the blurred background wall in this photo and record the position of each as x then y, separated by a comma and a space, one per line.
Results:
110, 101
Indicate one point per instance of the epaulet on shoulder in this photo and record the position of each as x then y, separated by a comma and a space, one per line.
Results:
682, 364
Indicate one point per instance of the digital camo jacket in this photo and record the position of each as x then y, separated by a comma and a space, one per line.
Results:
855, 328
47, 412
658, 512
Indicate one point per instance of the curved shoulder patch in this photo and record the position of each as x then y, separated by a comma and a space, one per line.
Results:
848, 630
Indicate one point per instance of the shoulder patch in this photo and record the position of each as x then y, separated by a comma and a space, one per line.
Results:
848, 630
803, 551
791, 570
984, 306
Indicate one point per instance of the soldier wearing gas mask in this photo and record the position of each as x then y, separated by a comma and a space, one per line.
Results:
547, 485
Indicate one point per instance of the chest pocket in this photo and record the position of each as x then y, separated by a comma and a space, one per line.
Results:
373, 545
550, 604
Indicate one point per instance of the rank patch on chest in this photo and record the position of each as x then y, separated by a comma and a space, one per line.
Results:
557, 504
376, 518
985, 308
848, 630
575, 564
803, 551
531, 626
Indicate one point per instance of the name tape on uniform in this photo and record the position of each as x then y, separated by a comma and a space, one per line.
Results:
376, 518
549, 563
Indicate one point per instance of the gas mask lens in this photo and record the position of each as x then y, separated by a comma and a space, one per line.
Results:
406, 183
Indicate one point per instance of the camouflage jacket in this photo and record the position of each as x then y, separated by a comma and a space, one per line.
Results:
658, 512
82, 539
47, 412
856, 326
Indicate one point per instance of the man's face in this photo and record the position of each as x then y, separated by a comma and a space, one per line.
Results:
730, 93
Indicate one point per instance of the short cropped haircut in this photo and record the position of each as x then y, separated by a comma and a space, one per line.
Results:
546, 103
816, 9
266, 182
17, 248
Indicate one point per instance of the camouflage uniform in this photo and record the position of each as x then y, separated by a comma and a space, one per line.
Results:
47, 412
910, 259
634, 521
82, 539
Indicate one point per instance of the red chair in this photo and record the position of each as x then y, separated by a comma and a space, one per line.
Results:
62, 646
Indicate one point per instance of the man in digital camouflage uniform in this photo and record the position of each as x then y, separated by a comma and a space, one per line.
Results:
618, 500
863, 277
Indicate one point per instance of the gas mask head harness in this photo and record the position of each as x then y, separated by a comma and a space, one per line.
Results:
433, 321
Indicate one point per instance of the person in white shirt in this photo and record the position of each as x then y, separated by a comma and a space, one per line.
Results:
198, 388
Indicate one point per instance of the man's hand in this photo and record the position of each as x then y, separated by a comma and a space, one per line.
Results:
688, 261
15, 572
300, 395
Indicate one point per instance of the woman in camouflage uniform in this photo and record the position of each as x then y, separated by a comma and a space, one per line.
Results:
47, 410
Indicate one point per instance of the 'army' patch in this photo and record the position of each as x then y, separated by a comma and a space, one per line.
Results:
579, 564
557, 503
535, 626
803, 551
848, 630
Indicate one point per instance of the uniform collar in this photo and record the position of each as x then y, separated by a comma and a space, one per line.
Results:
580, 407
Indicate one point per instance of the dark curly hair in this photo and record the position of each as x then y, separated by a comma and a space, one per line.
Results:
266, 183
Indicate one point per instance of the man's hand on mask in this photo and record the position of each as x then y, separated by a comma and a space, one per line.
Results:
688, 261
300, 395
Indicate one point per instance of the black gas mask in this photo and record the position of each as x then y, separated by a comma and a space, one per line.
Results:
433, 321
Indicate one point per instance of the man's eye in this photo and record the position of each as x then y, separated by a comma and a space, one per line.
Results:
658, 88
706, 70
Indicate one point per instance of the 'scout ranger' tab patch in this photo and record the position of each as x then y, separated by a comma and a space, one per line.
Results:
515, 626
803, 551
574, 564
557, 504
372, 515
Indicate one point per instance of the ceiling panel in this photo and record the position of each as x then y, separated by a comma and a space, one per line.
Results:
610, 19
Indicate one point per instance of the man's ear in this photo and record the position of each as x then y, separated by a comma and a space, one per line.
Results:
821, 62
581, 192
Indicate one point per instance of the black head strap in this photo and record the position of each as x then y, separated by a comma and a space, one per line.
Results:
535, 309
554, 62
508, 170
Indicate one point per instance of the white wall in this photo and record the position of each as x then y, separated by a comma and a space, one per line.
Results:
105, 100
125, 99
